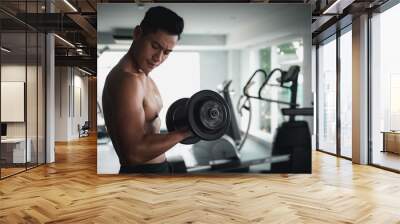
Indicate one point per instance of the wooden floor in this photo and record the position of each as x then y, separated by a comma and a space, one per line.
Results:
10, 171
70, 191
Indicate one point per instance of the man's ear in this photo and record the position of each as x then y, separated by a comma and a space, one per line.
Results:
137, 33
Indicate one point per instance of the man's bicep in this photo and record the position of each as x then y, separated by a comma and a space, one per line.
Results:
130, 113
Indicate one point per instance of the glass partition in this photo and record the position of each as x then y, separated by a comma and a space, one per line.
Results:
22, 88
346, 93
14, 153
327, 96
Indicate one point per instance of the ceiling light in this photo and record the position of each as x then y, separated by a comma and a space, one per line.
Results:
338, 6
70, 5
331, 7
64, 40
84, 71
5, 50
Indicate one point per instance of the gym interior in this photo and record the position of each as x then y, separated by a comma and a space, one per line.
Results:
58, 165
221, 57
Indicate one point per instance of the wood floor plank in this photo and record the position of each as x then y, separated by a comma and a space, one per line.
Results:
70, 191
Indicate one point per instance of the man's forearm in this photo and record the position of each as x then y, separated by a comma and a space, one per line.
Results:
154, 145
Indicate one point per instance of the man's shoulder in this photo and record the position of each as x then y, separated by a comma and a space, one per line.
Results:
126, 78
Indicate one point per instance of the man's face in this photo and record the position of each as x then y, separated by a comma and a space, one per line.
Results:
152, 49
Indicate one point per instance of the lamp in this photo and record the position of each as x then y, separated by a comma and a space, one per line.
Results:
64, 40
84, 71
5, 49
337, 7
70, 5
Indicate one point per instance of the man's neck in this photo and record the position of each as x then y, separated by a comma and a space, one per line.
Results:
131, 62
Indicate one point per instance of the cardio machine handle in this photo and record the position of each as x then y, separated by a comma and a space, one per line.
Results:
267, 79
251, 82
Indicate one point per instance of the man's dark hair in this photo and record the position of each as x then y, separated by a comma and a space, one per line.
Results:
161, 18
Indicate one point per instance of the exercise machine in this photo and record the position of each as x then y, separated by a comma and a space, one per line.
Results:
291, 150
293, 136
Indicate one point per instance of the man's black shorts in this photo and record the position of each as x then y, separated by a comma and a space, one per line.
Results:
162, 168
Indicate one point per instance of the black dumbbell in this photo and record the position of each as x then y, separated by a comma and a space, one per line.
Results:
206, 114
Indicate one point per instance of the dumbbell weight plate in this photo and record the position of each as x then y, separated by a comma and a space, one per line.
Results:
208, 115
175, 119
212, 115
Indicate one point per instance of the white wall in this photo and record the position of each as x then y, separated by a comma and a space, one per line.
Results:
234, 74
16, 73
213, 69
68, 81
61, 104
13, 76
79, 117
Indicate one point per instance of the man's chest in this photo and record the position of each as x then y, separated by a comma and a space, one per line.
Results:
152, 104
